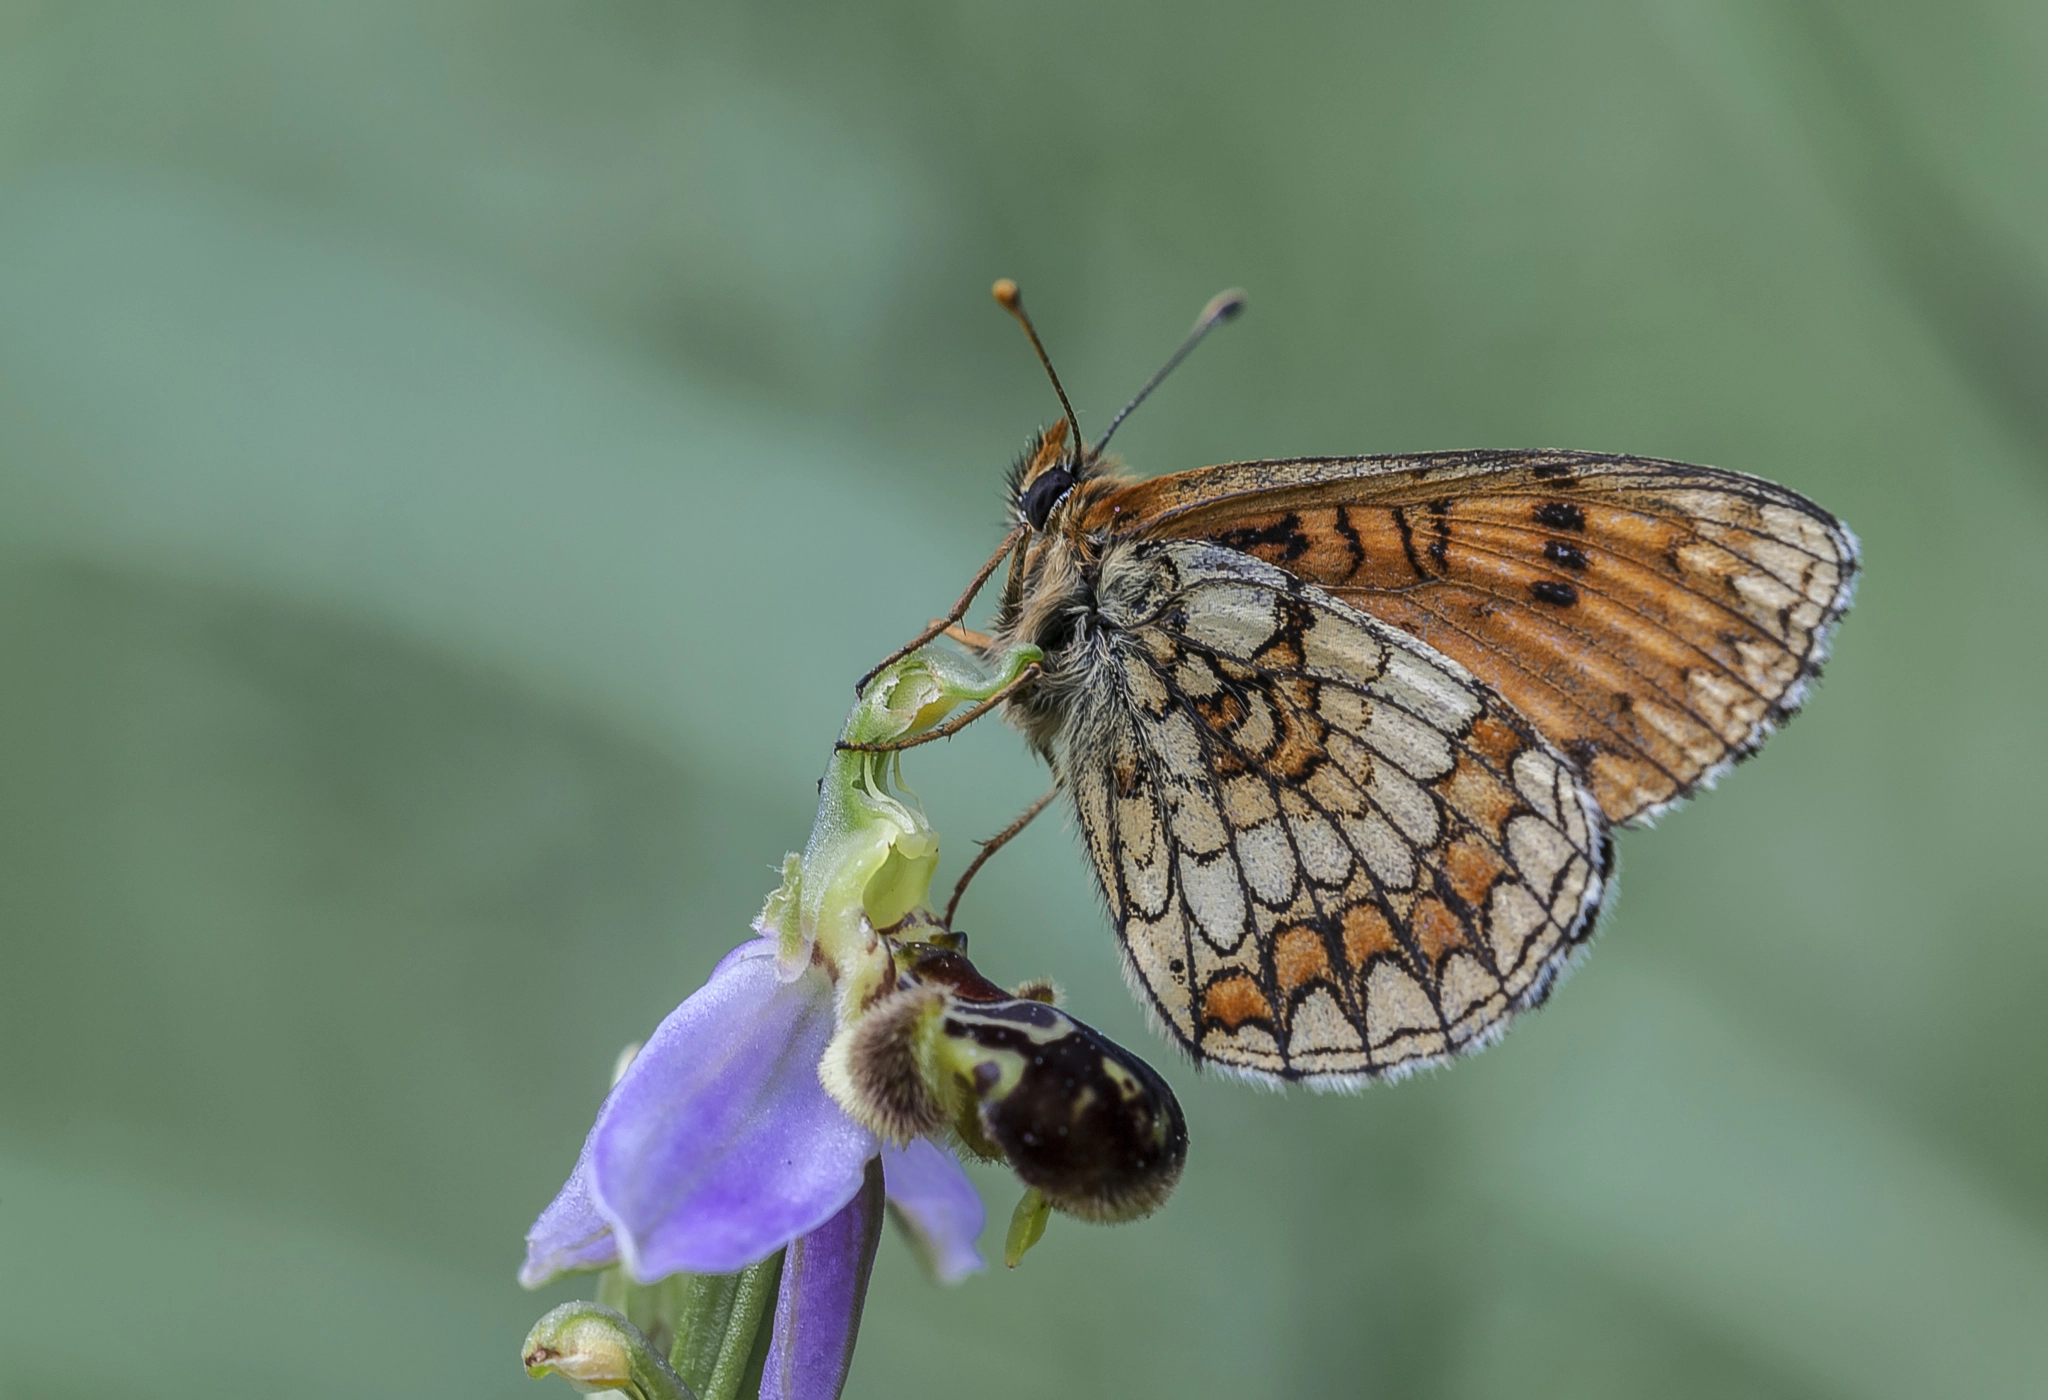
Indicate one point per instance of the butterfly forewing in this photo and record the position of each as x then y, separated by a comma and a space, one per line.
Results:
1653, 620
1330, 851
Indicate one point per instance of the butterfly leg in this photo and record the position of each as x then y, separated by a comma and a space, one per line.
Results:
959, 611
990, 847
952, 726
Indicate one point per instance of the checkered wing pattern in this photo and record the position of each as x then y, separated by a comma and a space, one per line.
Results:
1331, 854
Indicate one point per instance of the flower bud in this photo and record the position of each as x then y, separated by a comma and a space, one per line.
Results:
594, 1349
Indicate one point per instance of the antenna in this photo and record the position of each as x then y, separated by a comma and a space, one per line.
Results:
1223, 306
1012, 301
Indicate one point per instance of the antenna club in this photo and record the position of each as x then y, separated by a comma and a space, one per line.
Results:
1011, 300
1224, 306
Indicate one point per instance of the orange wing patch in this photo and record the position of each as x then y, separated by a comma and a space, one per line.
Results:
1655, 621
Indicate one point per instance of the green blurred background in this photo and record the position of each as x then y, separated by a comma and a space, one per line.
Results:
454, 458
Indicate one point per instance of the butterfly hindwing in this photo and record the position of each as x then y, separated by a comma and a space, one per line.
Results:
1655, 621
1330, 852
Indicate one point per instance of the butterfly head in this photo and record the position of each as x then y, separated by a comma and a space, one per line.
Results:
1049, 469
1044, 476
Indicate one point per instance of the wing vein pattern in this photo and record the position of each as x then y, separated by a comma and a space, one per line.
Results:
1655, 621
1331, 852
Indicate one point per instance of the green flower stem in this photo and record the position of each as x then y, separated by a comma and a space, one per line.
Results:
594, 1348
719, 1323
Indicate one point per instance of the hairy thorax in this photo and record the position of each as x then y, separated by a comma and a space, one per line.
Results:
1050, 602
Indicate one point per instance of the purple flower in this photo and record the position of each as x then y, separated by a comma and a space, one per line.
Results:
719, 1146
797, 1094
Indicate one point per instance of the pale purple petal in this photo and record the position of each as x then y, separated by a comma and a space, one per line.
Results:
571, 1234
817, 1311
937, 1206
719, 1145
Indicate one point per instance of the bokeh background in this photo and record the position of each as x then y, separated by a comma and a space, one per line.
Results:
454, 459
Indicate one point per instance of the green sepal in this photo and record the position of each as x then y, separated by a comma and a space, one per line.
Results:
595, 1348
1027, 1225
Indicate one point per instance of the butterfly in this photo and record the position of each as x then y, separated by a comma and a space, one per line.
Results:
1347, 737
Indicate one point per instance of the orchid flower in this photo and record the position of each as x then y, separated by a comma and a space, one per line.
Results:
753, 1140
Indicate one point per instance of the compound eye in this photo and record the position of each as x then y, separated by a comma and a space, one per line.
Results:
1045, 492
